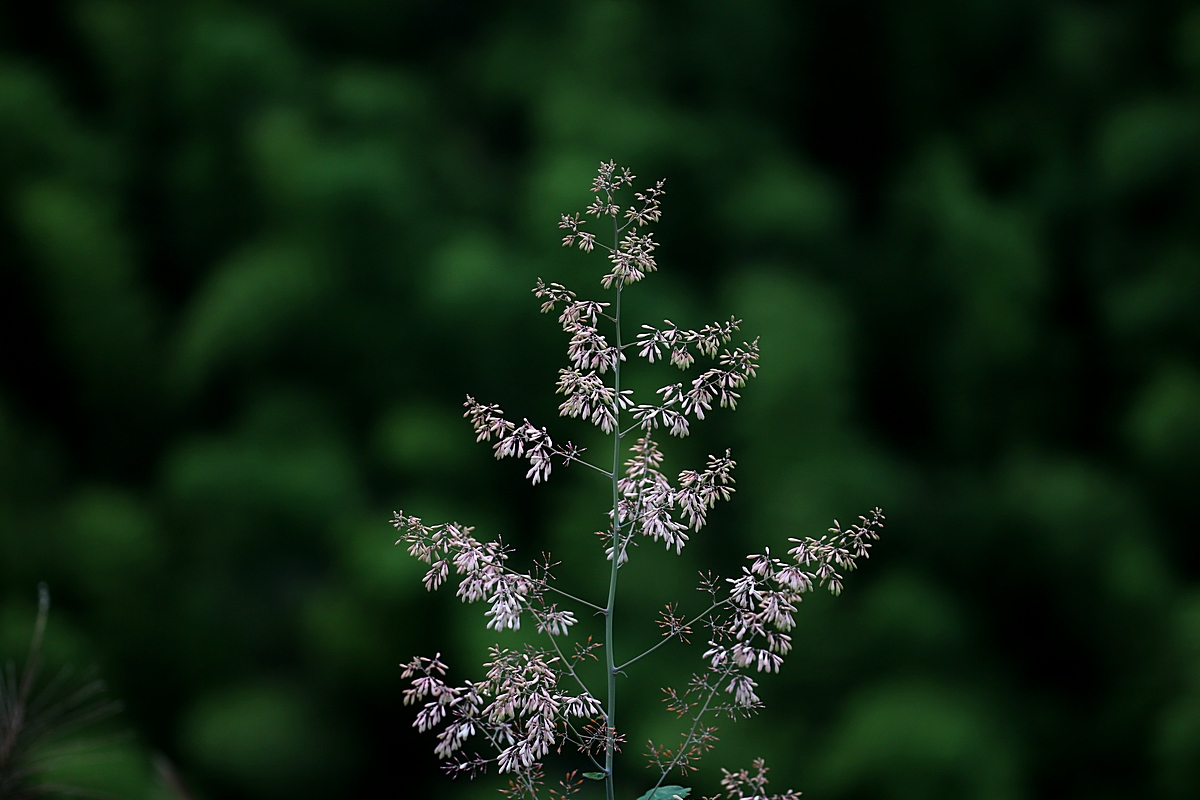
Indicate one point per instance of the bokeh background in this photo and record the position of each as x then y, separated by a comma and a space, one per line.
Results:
253, 255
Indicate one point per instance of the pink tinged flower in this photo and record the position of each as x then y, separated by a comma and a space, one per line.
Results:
624, 555
746, 624
555, 622
745, 592
588, 349
505, 612
762, 564
745, 655
794, 579
675, 422
554, 293
661, 527
435, 575
651, 343
600, 208
742, 688
539, 466
426, 666
487, 420
777, 611
681, 357
650, 211
469, 559
583, 706
453, 736
512, 758
717, 655
780, 643
679, 343
581, 313
429, 716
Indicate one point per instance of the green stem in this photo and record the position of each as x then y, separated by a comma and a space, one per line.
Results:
610, 720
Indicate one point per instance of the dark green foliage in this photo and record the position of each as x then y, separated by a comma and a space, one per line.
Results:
253, 254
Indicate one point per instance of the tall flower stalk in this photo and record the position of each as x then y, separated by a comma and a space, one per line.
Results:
533, 699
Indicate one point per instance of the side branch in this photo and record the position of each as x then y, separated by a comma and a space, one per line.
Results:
566, 662
671, 636
579, 600
577, 460
687, 739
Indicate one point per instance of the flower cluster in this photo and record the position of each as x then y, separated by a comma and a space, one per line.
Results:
522, 441
741, 785
632, 255
749, 623
680, 343
838, 549
763, 599
518, 709
484, 575
521, 710
650, 505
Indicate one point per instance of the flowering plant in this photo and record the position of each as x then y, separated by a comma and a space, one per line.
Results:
533, 699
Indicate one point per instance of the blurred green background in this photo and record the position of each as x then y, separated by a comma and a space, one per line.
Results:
254, 254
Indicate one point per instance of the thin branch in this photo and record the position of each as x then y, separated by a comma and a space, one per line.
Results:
671, 636
570, 667
565, 661
683, 747
580, 745
580, 600
578, 460
567, 595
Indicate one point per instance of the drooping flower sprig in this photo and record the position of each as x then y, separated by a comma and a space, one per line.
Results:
532, 699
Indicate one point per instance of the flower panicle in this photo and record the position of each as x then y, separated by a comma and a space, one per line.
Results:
744, 785
533, 700
680, 343
519, 707
520, 441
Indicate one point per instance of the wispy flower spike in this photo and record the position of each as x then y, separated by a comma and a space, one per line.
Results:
531, 700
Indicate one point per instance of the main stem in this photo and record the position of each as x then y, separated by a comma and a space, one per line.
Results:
610, 721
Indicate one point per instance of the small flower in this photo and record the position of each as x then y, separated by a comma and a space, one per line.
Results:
742, 689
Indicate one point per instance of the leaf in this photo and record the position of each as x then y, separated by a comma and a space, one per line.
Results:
665, 793
594, 776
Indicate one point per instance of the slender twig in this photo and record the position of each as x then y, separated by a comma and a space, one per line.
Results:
567, 595
565, 661
692, 732
579, 600
582, 746
671, 636
578, 460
